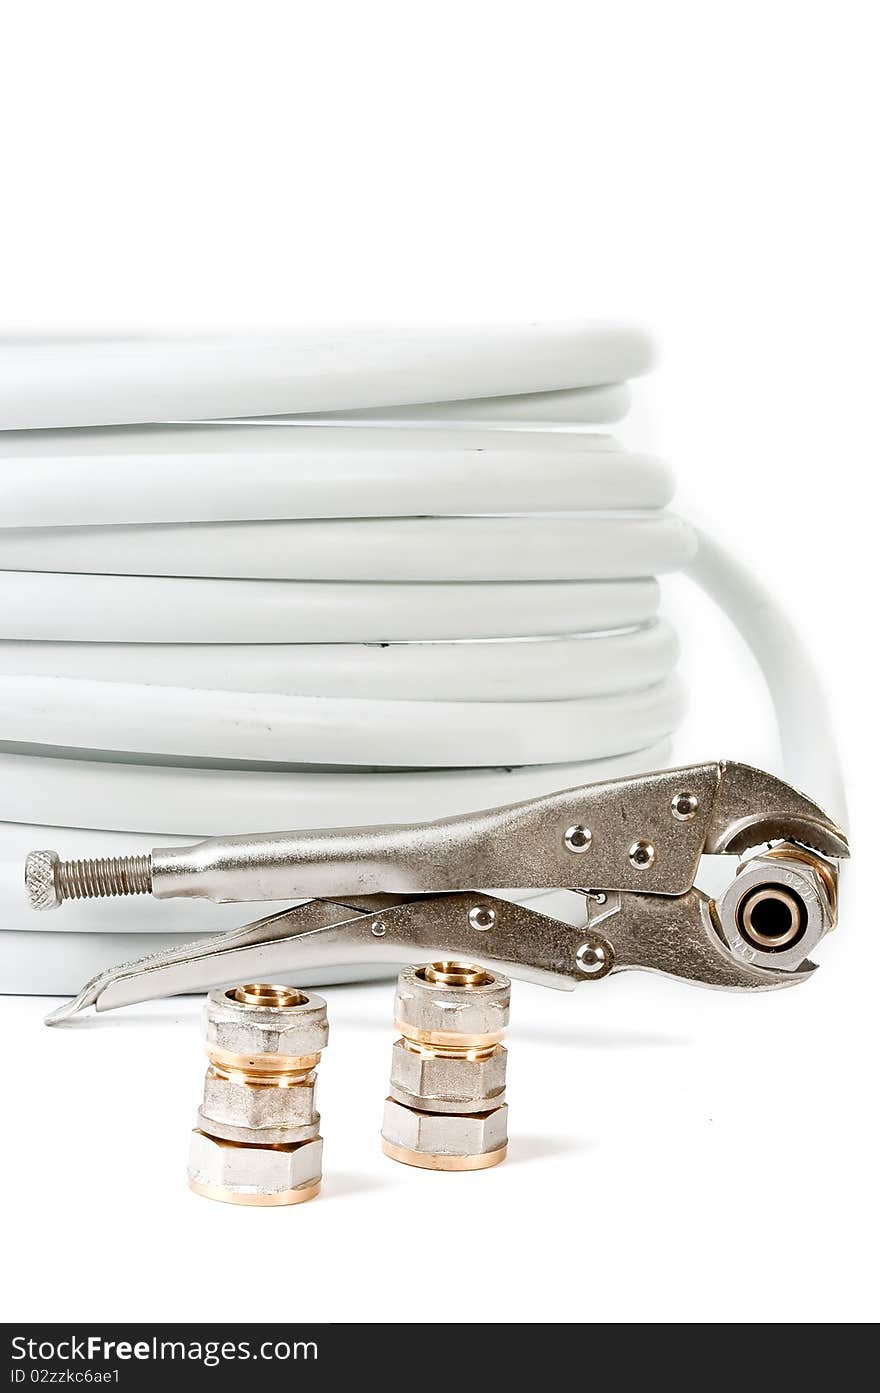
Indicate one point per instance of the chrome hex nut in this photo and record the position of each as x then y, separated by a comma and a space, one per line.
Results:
444, 1134
438, 1084
430, 1008
247, 1113
241, 1028
777, 909
255, 1175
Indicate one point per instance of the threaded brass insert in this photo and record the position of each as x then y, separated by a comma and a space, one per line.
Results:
452, 974
262, 994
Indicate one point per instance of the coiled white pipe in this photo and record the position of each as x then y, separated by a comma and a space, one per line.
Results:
395, 612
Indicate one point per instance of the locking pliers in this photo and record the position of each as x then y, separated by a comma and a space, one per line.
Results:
629, 850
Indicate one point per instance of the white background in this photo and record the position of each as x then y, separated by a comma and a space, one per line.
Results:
710, 171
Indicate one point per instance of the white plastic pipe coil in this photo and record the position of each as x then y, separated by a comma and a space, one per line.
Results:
440, 595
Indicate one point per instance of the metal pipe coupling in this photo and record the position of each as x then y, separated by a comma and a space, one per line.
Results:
257, 1138
446, 1107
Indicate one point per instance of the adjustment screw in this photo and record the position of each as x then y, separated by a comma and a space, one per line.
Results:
377, 929
641, 855
481, 917
578, 839
684, 806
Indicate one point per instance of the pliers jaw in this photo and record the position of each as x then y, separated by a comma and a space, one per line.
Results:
628, 851
752, 807
783, 899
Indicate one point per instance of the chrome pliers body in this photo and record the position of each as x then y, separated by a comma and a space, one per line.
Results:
627, 852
